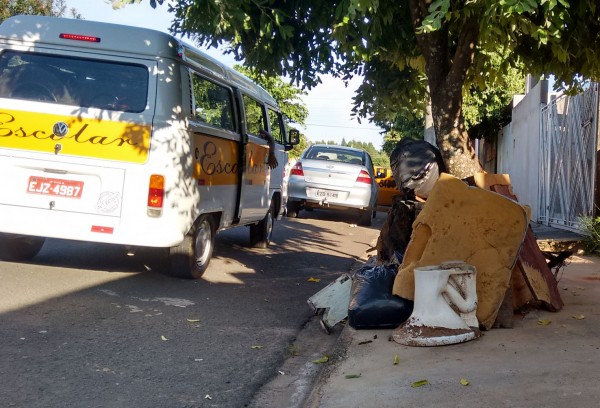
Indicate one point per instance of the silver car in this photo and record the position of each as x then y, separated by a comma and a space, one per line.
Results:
334, 177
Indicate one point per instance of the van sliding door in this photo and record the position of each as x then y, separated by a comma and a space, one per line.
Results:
255, 198
217, 147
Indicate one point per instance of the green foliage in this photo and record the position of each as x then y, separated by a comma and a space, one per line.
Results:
57, 8
591, 226
302, 40
488, 110
401, 47
287, 96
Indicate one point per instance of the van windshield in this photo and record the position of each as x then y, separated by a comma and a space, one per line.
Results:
86, 83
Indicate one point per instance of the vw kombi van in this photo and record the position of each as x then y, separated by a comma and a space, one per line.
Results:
129, 136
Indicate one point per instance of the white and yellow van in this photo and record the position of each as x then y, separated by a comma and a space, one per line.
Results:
125, 135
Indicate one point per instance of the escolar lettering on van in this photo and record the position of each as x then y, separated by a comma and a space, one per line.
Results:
102, 139
217, 162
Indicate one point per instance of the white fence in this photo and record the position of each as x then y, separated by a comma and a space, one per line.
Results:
568, 140
549, 151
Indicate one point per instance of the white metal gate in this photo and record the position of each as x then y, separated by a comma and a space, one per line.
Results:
568, 132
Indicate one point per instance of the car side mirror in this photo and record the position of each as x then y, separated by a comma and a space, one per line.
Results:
294, 136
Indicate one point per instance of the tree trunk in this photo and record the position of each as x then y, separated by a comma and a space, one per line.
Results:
446, 73
452, 138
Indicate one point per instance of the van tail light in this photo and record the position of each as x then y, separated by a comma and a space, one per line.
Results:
363, 177
297, 170
156, 194
79, 37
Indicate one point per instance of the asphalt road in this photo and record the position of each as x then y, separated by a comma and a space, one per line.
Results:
89, 325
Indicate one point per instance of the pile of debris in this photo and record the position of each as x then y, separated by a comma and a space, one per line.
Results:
441, 225
480, 223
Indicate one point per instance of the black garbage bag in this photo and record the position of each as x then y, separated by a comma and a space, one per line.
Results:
372, 304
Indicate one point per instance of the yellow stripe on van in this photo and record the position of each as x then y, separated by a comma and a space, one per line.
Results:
98, 138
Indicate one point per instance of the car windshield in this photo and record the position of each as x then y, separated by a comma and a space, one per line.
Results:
337, 155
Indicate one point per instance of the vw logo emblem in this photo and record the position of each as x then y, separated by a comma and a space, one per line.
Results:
60, 129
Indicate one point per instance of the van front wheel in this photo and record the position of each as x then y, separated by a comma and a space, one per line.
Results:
190, 259
260, 234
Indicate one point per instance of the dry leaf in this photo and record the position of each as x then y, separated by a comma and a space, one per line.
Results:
322, 360
543, 322
193, 320
352, 375
311, 279
257, 347
208, 397
396, 359
163, 338
578, 317
464, 381
419, 383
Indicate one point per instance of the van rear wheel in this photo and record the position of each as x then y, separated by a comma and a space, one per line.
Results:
19, 247
260, 234
190, 259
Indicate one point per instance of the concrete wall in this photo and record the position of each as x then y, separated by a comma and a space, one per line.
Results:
518, 146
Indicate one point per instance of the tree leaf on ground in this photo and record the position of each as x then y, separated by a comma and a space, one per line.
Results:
396, 359
322, 360
257, 347
578, 317
419, 383
353, 375
464, 381
543, 322
193, 320
311, 279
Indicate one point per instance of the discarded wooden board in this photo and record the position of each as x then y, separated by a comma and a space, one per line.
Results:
533, 266
521, 294
333, 300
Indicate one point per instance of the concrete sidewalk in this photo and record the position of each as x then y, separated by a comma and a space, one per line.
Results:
547, 360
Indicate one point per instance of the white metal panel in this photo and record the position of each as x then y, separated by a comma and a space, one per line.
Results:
568, 140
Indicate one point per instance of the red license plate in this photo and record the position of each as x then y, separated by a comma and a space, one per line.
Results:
55, 187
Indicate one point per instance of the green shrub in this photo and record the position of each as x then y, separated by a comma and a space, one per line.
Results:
592, 227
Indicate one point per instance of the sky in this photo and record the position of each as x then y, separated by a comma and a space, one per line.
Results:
329, 103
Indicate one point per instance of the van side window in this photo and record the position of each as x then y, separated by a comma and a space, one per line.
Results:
255, 118
213, 103
276, 127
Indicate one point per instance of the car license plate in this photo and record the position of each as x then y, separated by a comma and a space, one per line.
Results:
327, 193
55, 187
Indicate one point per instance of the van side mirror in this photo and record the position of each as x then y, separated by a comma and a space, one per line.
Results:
294, 136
